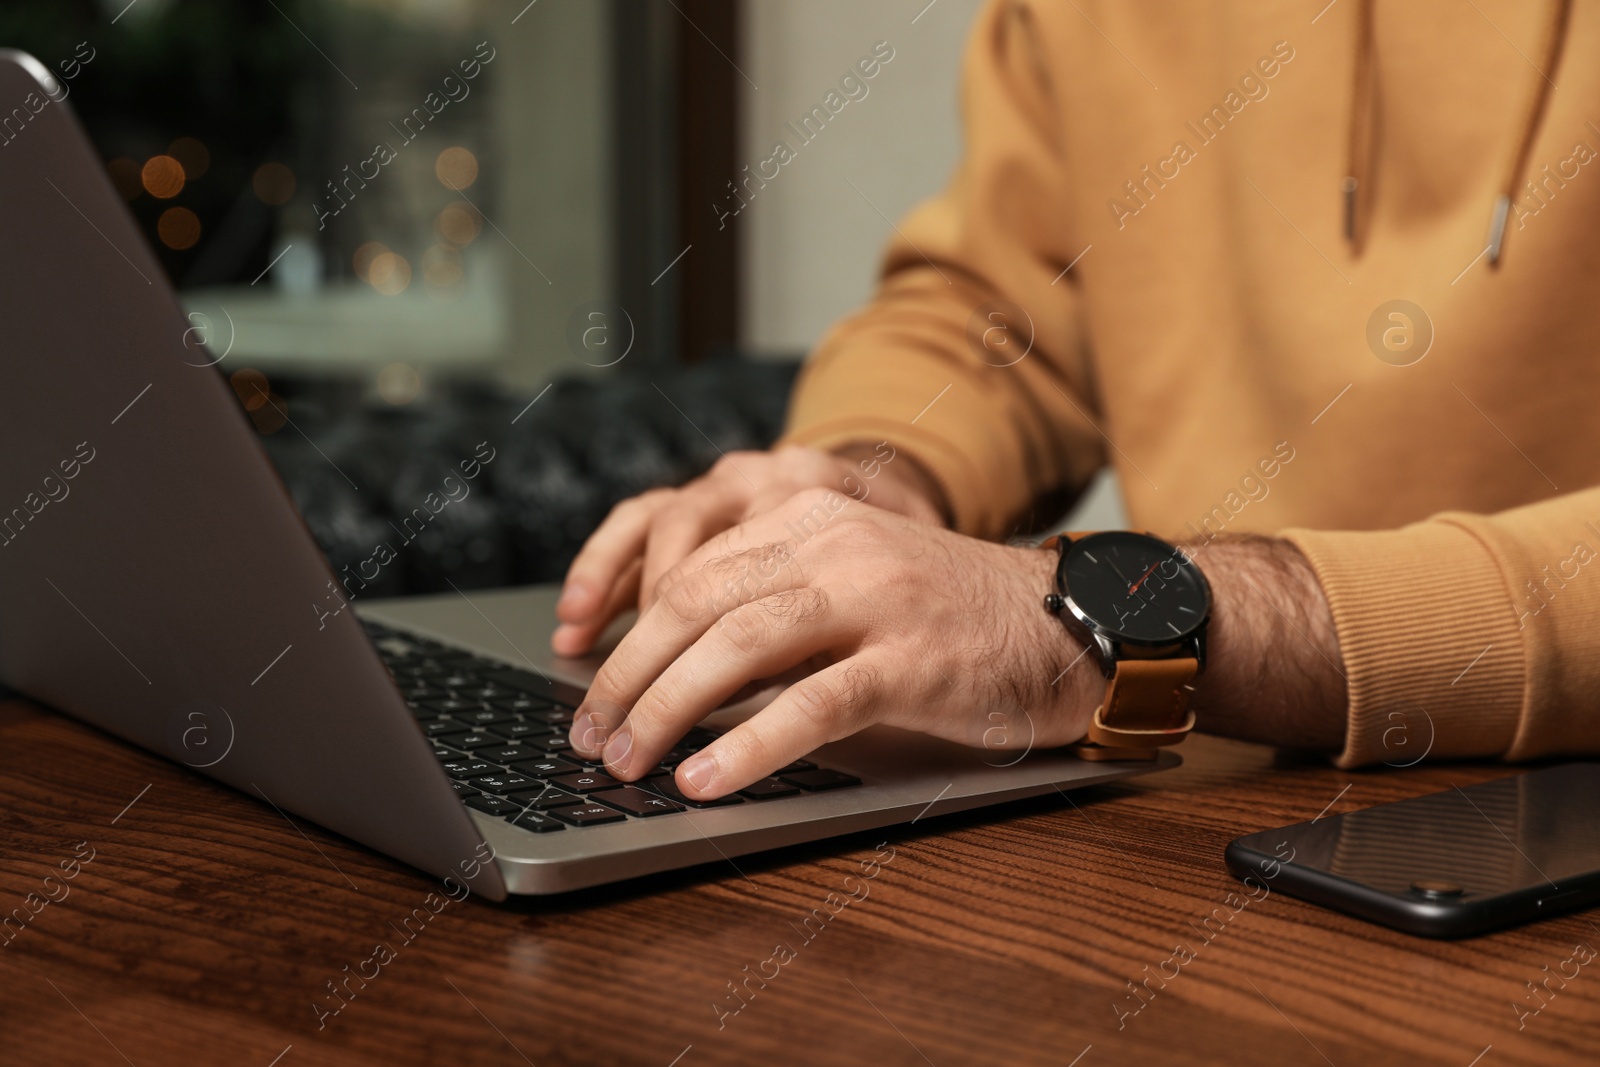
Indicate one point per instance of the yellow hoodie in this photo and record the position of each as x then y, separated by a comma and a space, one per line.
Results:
1317, 271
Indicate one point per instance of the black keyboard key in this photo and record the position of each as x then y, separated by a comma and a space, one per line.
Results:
545, 768
481, 716
520, 731
697, 738
554, 744
544, 799
588, 815
523, 682
469, 768
454, 706
463, 790
797, 765
636, 801
494, 805
504, 782
443, 728
416, 694
535, 685
820, 778
769, 788
523, 702
470, 742
554, 716
665, 786
451, 680
504, 754
585, 782
537, 822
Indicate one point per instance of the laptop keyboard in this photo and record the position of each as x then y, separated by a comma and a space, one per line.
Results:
501, 736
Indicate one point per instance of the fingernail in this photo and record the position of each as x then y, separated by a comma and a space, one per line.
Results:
617, 750
700, 770
588, 733
563, 637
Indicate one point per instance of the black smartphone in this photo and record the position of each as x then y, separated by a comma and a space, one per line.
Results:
1449, 864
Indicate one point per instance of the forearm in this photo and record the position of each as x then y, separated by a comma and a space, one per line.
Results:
1274, 673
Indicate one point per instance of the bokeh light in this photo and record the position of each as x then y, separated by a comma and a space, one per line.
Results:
399, 383
362, 260
458, 223
389, 273
456, 168
194, 157
251, 386
268, 411
273, 183
178, 228
442, 268
162, 177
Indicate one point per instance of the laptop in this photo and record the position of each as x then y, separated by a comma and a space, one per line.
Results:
157, 582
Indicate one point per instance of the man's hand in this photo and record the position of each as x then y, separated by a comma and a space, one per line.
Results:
905, 623
643, 538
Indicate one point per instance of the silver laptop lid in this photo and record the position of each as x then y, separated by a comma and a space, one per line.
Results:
155, 579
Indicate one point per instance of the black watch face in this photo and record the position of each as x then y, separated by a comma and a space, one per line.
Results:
1135, 588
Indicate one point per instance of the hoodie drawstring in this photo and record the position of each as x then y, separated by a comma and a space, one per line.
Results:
1358, 149
1363, 122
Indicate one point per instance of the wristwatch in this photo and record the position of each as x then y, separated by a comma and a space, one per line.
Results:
1141, 606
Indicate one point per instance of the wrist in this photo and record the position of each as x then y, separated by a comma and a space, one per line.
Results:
1066, 681
1273, 671
906, 474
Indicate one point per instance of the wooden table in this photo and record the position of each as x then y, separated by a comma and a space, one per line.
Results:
205, 926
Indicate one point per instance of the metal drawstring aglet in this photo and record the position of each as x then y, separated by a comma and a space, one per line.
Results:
1497, 228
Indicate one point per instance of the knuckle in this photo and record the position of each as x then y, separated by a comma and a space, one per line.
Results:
753, 628
750, 572
795, 607
655, 706
686, 597
752, 747
637, 505
747, 629
811, 496
857, 693
731, 464
840, 708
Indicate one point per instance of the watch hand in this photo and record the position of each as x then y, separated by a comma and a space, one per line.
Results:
1134, 588
1118, 569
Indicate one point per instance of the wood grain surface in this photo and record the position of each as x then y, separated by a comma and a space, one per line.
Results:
206, 926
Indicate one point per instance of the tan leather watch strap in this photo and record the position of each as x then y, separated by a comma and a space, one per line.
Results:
1146, 707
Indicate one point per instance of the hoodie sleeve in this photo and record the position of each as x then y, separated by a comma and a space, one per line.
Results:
970, 358
1484, 627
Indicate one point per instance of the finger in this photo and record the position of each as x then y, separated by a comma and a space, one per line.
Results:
833, 703
756, 640
679, 530
577, 638
686, 609
599, 564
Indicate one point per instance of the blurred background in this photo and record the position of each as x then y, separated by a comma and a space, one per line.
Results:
404, 227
